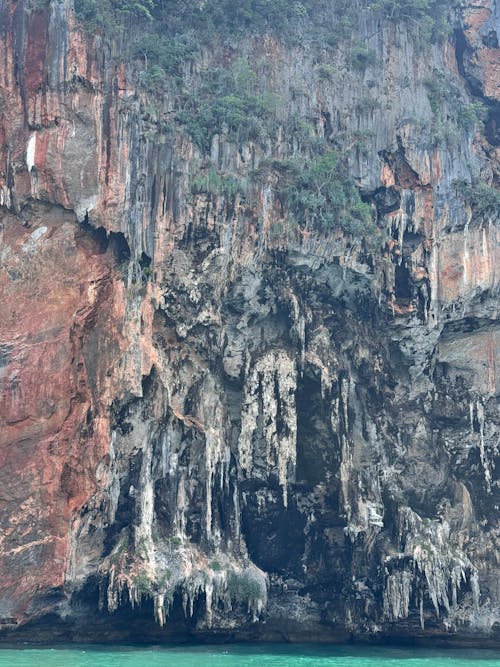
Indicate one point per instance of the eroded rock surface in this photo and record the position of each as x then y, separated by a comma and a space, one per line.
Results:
213, 422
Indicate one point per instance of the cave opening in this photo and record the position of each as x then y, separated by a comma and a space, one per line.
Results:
119, 246
313, 433
402, 284
97, 234
127, 623
387, 200
460, 47
145, 261
492, 125
274, 535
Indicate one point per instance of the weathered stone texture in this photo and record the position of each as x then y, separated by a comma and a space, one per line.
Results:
214, 421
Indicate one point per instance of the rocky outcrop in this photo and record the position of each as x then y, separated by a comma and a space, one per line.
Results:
219, 420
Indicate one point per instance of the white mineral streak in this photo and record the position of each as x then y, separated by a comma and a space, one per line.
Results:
299, 321
214, 460
181, 507
114, 485
165, 446
482, 449
112, 592
325, 377
30, 152
434, 282
476, 592
217, 453
30, 244
397, 594
143, 532
342, 429
466, 260
486, 257
270, 386
476, 411
429, 558
209, 593
267, 207
402, 219
237, 519
159, 609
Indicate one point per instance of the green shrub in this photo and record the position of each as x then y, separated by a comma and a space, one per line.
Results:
154, 78
142, 581
440, 91
472, 115
323, 194
107, 15
322, 21
445, 101
326, 72
242, 587
482, 198
210, 181
444, 133
142, 8
367, 104
225, 102
361, 57
427, 18
215, 566
167, 53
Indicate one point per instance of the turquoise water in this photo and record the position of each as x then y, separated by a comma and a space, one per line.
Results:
246, 656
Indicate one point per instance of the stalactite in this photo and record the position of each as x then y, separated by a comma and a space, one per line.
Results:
217, 453
434, 561
476, 412
299, 324
179, 524
217, 456
159, 609
397, 593
114, 484
165, 447
476, 592
342, 429
143, 537
272, 383
482, 450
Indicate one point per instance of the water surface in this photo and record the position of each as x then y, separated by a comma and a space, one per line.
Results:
246, 656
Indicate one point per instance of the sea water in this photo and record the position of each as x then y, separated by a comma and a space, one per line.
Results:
246, 656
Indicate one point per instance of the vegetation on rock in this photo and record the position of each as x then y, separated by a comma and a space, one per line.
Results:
226, 101
483, 199
323, 195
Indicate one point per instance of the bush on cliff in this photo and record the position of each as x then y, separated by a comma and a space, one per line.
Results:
226, 101
108, 14
483, 199
323, 195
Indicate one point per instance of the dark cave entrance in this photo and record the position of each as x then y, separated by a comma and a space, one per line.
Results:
314, 435
402, 286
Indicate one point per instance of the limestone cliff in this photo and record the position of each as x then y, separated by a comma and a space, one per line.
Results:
219, 417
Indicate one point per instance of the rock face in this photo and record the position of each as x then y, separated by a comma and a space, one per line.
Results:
216, 423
